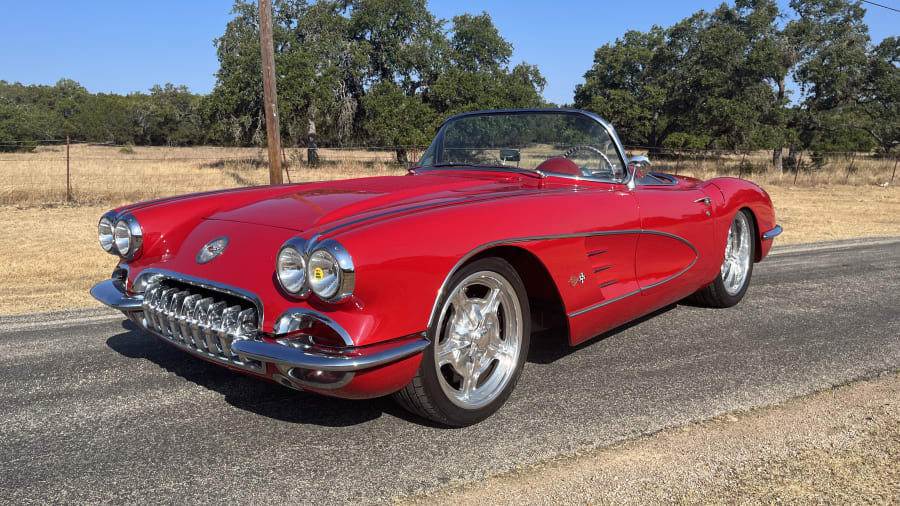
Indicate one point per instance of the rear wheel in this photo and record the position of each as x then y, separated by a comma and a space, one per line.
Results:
733, 280
479, 340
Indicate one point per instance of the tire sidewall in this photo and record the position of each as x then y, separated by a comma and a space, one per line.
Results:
452, 413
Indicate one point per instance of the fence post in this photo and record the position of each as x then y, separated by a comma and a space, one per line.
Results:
68, 183
677, 162
850, 167
895, 170
741, 168
415, 151
284, 164
797, 167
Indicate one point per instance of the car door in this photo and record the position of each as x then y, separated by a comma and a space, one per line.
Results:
677, 226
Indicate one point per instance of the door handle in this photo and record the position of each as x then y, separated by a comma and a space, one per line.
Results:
704, 200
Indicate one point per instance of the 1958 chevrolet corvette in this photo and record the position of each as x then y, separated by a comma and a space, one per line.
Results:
428, 286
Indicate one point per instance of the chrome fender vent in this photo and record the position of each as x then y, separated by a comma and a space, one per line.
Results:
201, 320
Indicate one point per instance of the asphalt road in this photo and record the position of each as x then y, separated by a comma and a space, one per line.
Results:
92, 409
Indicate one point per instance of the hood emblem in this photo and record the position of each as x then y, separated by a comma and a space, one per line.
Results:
212, 249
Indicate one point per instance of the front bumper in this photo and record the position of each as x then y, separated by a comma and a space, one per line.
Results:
165, 319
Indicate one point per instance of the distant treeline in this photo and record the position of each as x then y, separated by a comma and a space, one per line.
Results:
387, 72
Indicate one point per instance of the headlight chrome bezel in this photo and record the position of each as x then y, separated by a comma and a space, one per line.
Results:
345, 271
296, 245
342, 265
135, 236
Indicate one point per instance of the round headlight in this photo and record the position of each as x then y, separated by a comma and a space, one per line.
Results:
324, 274
105, 233
127, 236
330, 272
291, 270
123, 237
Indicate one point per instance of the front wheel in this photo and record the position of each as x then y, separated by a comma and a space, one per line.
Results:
733, 280
479, 340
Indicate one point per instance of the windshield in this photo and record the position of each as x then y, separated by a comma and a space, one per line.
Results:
559, 142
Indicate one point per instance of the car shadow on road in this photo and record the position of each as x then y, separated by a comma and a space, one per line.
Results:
548, 346
252, 394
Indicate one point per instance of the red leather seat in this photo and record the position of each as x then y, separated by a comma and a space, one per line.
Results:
560, 165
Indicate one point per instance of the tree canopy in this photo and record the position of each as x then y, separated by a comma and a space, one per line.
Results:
747, 75
720, 80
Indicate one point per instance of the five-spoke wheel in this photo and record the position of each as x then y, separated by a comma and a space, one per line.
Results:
731, 284
479, 340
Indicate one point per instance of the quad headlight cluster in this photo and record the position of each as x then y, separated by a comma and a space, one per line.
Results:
324, 269
120, 235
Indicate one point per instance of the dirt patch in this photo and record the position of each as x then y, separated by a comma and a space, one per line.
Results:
836, 447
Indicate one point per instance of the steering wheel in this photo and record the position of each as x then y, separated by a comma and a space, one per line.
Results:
584, 147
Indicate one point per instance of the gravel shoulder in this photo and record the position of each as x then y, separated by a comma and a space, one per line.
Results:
837, 447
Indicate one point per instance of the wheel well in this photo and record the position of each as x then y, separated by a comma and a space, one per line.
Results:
547, 310
757, 240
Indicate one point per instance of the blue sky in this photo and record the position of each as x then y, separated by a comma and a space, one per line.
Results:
126, 46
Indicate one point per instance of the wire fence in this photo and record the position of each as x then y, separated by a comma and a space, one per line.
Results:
54, 171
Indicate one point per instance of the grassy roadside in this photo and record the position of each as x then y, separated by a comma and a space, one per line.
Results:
49, 257
837, 447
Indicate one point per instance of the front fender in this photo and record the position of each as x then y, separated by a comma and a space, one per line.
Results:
740, 194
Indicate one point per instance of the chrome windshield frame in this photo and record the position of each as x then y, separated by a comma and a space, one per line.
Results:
607, 127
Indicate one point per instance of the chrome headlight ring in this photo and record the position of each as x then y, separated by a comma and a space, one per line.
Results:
128, 236
290, 267
106, 232
330, 272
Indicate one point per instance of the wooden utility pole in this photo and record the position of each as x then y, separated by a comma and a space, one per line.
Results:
68, 183
270, 96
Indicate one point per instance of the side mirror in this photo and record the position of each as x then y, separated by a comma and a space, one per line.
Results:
638, 161
510, 155
635, 163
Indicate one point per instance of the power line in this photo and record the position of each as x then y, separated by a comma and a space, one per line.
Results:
879, 5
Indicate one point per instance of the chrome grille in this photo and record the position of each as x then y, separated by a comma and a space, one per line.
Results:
201, 320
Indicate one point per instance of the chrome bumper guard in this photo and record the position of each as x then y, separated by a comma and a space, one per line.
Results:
200, 322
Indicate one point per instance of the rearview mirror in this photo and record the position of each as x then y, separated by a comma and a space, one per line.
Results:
509, 155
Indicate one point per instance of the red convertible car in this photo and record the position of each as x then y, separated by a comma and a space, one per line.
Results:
428, 286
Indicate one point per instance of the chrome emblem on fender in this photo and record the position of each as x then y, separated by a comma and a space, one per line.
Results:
577, 278
212, 249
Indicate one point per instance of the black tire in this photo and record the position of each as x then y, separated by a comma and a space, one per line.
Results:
425, 396
715, 294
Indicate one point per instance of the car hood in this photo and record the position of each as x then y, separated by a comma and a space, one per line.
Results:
318, 205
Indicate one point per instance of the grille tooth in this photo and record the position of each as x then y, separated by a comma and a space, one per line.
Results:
149, 295
213, 326
201, 323
163, 314
172, 310
184, 318
199, 320
229, 328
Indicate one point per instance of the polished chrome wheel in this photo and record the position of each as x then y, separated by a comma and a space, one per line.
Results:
479, 339
738, 249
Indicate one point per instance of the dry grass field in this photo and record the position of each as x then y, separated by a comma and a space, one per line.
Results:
49, 257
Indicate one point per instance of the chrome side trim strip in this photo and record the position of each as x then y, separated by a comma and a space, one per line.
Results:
112, 293
492, 244
290, 357
609, 283
771, 234
604, 303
